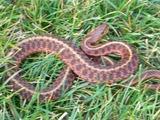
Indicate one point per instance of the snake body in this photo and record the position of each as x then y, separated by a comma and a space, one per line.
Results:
78, 63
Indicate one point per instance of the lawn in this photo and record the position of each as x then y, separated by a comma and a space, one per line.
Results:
136, 22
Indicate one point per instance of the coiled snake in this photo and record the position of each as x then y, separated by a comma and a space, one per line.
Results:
78, 63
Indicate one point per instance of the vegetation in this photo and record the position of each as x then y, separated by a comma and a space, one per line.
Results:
136, 22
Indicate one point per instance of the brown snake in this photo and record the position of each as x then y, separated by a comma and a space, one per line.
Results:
78, 62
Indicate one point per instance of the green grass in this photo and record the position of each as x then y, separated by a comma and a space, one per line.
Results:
135, 21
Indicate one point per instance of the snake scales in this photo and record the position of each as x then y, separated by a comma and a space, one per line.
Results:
78, 63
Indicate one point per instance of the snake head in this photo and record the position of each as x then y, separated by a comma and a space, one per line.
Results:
96, 34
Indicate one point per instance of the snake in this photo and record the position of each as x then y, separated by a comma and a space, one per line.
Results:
78, 63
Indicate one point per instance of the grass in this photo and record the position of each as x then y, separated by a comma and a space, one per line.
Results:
135, 21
